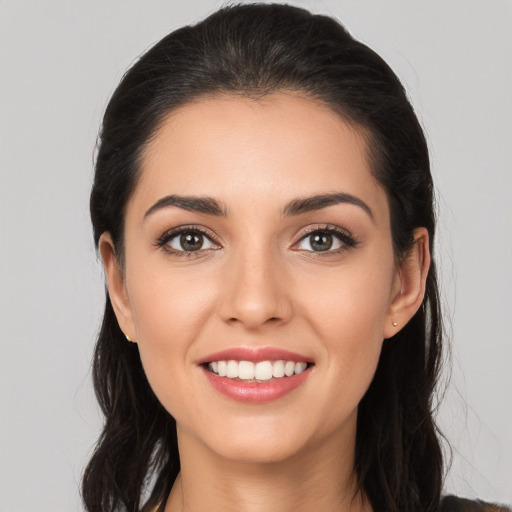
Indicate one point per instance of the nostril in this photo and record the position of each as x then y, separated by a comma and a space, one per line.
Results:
273, 319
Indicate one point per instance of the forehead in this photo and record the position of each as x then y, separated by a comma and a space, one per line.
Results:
280, 146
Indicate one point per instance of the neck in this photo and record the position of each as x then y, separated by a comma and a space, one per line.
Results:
319, 478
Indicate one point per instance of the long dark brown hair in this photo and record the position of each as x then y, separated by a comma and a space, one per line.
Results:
253, 50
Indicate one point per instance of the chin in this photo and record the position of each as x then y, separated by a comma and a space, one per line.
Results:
260, 451
250, 440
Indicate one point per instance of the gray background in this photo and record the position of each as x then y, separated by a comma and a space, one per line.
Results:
60, 61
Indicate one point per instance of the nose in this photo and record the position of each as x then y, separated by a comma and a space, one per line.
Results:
255, 291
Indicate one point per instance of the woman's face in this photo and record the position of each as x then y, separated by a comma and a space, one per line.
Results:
257, 233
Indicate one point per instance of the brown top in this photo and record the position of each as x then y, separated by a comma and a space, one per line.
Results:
454, 504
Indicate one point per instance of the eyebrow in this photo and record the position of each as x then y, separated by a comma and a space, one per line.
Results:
198, 204
211, 206
313, 203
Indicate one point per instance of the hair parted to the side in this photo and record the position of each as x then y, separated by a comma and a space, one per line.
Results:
257, 49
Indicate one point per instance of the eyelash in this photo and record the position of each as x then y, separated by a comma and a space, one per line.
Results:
347, 240
163, 241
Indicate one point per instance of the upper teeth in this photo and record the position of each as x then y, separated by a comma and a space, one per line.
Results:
264, 370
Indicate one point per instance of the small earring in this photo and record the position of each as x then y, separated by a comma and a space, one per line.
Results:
128, 338
394, 324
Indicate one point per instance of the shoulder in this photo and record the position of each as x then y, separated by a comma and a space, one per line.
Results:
454, 504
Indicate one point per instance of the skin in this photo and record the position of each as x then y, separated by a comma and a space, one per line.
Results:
259, 284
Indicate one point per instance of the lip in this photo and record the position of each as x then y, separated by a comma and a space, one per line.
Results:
253, 392
254, 355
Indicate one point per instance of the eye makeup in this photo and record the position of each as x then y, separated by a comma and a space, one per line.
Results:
191, 238
326, 240
194, 240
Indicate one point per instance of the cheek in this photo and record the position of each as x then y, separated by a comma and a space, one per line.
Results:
168, 303
348, 312
350, 303
169, 310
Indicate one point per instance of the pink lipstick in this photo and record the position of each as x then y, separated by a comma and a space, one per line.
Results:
256, 375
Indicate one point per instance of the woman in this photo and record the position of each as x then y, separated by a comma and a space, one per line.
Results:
263, 207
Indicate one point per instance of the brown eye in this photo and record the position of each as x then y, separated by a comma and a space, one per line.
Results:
321, 241
189, 241
331, 239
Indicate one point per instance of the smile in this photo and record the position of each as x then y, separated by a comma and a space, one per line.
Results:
261, 371
256, 376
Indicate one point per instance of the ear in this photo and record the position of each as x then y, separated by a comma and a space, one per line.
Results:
409, 287
116, 286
